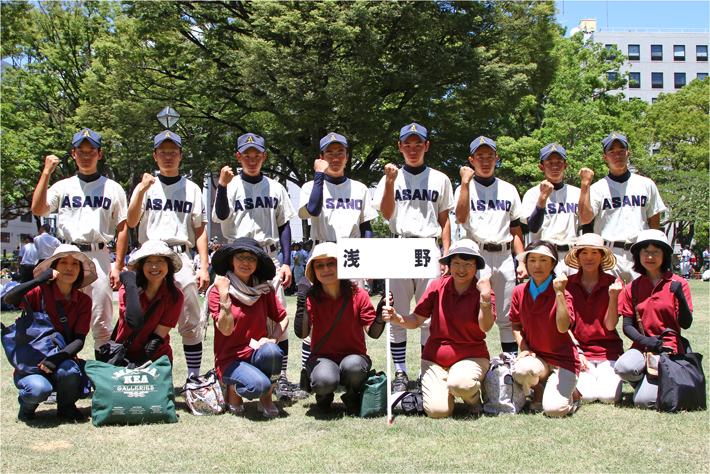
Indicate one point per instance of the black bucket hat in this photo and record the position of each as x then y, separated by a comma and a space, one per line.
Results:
222, 258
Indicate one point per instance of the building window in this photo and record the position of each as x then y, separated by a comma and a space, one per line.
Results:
611, 76
609, 55
634, 52
26, 218
679, 52
656, 151
701, 52
653, 100
5, 237
657, 80
634, 80
679, 80
656, 52
702, 75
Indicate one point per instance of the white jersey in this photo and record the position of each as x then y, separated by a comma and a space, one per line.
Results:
87, 212
46, 244
419, 199
561, 220
492, 209
345, 207
171, 213
622, 210
256, 210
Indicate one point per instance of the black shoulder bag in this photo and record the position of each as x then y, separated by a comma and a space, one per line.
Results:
305, 382
114, 353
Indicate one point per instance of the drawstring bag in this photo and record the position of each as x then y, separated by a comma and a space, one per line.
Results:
501, 393
373, 395
681, 380
204, 395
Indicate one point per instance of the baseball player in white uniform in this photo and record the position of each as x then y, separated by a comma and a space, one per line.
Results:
337, 206
550, 208
170, 209
622, 204
416, 200
490, 211
90, 209
252, 205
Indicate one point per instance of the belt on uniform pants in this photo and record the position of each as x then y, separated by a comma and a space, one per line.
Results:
619, 245
179, 248
317, 241
269, 248
495, 247
563, 248
398, 236
88, 247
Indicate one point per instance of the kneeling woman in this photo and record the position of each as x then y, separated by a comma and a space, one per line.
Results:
56, 288
663, 301
455, 358
596, 299
340, 357
541, 314
246, 358
149, 302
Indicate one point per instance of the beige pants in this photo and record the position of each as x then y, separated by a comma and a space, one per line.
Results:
101, 296
189, 322
403, 291
557, 397
440, 385
270, 325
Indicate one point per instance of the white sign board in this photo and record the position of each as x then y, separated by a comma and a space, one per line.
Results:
388, 258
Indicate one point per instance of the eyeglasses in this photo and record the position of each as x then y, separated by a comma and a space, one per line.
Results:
652, 253
466, 265
246, 258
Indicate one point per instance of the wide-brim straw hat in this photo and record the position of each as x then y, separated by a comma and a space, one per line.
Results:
321, 251
222, 258
652, 236
464, 247
155, 248
66, 250
591, 241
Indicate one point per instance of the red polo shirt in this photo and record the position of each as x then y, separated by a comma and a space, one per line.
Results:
454, 331
540, 327
590, 310
167, 313
249, 323
657, 306
77, 310
348, 336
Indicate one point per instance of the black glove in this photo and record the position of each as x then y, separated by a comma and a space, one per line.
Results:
304, 285
653, 343
676, 287
53, 361
381, 305
151, 347
134, 312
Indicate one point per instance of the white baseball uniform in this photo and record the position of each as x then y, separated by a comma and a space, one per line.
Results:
560, 222
345, 207
257, 211
88, 213
492, 210
621, 212
419, 199
171, 212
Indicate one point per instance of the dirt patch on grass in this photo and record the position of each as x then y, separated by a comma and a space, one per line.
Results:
51, 446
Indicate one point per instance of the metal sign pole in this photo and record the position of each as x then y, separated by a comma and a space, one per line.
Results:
387, 357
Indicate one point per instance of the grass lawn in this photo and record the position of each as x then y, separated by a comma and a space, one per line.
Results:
598, 438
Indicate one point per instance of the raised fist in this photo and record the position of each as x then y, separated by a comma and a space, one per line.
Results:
225, 175
616, 288
546, 189
466, 174
560, 283
147, 181
320, 166
586, 175
391, 171
484, 287
50, 163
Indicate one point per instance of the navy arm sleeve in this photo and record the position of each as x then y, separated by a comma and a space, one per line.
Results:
535, 219
221, 204
366, 230
285, 241
315, 202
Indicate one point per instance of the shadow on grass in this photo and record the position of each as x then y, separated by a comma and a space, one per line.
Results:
45, 419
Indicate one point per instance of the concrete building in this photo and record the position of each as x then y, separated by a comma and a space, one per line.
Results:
659, 59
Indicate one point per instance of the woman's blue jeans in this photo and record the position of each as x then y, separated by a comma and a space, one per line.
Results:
36, 388
252, 380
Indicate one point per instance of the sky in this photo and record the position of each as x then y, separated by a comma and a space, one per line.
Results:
636, 14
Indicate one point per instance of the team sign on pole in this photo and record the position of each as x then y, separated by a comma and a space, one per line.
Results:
388, 258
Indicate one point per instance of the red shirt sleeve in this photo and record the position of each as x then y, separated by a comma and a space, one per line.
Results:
83, 314
688, 297
515, 303
366, 310
214, 303
425, 306
34, 298
626, 308
276, 311
570, 308
171, 314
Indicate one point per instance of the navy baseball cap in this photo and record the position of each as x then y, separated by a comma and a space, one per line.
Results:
332, 138
606, 143
167, 135
482, 141
248, 140
550, 149
413, 129
87, 134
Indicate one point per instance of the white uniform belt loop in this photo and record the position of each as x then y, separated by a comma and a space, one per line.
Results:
619, 245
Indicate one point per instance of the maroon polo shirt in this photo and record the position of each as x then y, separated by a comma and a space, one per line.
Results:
657, 307
348, 336
590, 310
167, 313
454, 331
77, 310
540, 328
249, 323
